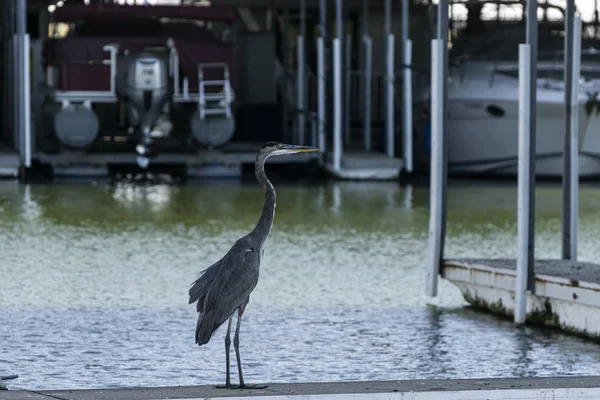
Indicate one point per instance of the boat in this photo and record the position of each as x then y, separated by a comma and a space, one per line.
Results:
143, 73
483, 107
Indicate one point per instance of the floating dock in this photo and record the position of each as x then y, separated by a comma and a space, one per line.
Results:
566, 295
363, 165
435, 389
225, 162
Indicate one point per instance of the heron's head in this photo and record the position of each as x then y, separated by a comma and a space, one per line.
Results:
280, 149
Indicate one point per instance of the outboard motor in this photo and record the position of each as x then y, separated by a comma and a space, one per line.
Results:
147, 94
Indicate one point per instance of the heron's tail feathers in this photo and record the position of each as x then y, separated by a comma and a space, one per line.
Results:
204, 328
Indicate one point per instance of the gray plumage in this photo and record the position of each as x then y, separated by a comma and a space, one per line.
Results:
225, 286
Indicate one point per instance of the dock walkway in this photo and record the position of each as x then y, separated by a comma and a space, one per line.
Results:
434, 389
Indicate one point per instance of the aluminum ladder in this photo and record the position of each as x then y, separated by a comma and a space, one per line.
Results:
218, 100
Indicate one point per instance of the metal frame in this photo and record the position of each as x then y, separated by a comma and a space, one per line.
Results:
96, 96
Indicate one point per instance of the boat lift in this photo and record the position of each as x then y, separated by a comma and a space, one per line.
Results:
363, 162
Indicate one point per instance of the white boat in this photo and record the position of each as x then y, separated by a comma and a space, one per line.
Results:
483, 108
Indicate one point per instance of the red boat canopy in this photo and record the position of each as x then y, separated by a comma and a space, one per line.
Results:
76, 12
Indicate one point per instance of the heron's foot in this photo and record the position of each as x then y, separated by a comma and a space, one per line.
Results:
241, 386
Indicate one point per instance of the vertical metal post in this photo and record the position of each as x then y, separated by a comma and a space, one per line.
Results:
348, 87
337, 88
389, 78
368, 72
437, 167
322, 72
300, 90
524, 195
571, 173
8, 71
570, 101
407, 89
321, 92
20, 24
16, 109
337, 104
532, 41
285, 64
26, 105
442, 34
596, 18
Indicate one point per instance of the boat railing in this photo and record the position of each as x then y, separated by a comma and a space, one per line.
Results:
82, 96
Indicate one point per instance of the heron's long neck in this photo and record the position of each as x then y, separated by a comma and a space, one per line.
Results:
263, 227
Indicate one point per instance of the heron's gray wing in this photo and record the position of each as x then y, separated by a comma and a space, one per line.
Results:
231, 284
202, 284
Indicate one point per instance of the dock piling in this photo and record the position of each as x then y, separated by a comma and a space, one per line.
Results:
407, 89
300, 73
532, 41
524, 194
367, 78
337, 105
322, 76
439, 151
389, 79
437, 167
571, 149
348, 87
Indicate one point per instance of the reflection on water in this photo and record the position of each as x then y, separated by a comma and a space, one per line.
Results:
94, 279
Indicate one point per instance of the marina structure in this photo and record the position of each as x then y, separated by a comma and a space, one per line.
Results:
200, 86
558, 293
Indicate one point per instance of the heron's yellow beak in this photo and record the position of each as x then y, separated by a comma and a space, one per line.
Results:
301, 149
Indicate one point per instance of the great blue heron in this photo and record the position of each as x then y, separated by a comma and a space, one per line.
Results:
225, 286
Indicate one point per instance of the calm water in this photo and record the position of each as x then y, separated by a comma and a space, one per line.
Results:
94, 279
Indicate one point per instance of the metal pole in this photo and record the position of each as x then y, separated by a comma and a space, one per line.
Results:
7, 69
368, 90
407, 89
321, 92
572, 195
437, 166
300, 72
389, 77
16, 129
322, 72
20, 23
337, 104
442, 34
569, 182
367, 77
348, 87
523, 191
532, 41
337, 88
596, 18
567, 154
286, 94
26, 103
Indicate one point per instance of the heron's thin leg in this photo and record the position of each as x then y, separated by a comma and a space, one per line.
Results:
227, 347
236, 345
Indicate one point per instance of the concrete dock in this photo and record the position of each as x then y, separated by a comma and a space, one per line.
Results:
465, 389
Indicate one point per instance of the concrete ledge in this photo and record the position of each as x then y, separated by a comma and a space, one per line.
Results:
464, 389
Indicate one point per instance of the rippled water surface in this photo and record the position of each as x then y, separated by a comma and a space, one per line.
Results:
94, 280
